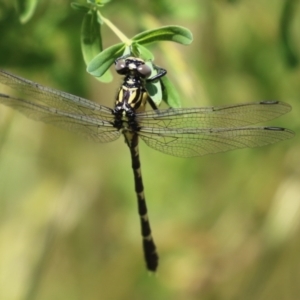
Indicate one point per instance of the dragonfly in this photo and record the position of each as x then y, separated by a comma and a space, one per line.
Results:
182, 132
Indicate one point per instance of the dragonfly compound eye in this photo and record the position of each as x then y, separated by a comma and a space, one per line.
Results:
121, 67
144, 70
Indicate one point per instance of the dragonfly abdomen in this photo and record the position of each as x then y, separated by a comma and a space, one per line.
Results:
150, 253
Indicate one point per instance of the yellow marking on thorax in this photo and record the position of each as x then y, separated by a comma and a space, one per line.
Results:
136, 97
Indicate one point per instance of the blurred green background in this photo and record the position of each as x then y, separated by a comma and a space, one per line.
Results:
227, 226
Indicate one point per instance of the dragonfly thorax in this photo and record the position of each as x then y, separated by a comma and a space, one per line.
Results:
133, 90
134, 98
132, 93
132, 81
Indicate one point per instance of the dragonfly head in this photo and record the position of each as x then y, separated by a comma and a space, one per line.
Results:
132, 66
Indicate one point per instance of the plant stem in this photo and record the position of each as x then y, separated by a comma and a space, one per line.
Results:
116, 30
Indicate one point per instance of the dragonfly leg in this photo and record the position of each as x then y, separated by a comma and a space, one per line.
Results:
160, 73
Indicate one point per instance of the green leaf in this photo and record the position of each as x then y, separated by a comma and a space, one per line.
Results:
26, 9
101, 63
127, 51
106, 77
170, 94
91, 41
154, 89
174, 33
143, 52
288, 45
80, 7
98, 2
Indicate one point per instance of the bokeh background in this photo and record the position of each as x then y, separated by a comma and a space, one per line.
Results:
227, 226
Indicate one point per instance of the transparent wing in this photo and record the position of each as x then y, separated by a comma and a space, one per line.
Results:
180, 132
55, 98
64, 110
214, 117
91, 127
188, 142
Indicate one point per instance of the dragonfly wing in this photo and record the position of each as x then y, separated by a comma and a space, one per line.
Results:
54, 98
187, 142
214, 117
93, 128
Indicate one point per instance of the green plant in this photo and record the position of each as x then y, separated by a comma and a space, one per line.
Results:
99, 60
